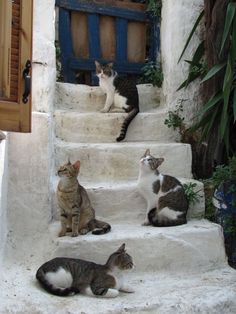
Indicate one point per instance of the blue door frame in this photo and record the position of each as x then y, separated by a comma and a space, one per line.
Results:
71, 64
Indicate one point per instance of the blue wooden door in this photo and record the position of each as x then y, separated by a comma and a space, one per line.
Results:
71, 64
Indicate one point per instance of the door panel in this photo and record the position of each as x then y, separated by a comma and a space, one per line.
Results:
16, 50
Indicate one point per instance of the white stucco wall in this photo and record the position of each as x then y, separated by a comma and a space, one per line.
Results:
30, 155
178, 18
3, 196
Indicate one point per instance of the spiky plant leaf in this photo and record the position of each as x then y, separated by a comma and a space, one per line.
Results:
213, 71
191, 33
230, 14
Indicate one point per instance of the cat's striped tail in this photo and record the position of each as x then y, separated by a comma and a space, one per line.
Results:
99, 227
62, 292
126, 123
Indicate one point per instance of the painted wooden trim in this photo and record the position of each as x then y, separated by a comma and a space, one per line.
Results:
66, 44
121, 39
155, 39
121, 67
94, 36
76, 5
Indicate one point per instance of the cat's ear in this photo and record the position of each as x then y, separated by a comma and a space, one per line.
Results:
110, 65
160, 161
121, 248
76, 165
98, 65
147, 153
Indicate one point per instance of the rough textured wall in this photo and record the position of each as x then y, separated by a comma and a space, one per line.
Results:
3, 196
178, 18
30, 155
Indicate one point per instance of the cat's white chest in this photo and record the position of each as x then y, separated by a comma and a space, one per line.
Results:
145, 183
107, 85
145, 187
116, 273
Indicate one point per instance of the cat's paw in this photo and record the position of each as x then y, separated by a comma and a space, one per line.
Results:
104, 110
83, 231
61, 233
146, 223
75, 234
111, 293
127, 289
117, 110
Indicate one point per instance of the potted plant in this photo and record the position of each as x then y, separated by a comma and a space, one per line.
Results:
223, 187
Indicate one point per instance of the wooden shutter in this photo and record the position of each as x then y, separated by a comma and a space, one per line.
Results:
15, 51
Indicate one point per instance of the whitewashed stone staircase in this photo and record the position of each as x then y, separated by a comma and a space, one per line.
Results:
179, 269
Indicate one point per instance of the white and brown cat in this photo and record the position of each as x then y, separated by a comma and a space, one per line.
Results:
76, 211
64, 276
121, 93
167, 204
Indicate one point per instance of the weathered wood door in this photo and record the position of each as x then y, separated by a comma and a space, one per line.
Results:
15, 65
105, 30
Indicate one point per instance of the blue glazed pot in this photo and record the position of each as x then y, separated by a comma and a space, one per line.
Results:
225, 202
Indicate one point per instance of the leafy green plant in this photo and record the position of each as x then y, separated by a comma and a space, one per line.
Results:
152, 73
154, 7
174, 119
220, 110
191, 193
223, 173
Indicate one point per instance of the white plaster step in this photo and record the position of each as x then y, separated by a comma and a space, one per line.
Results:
84, 98
205, 292
120, 161
122, 201
100, 127
192, 246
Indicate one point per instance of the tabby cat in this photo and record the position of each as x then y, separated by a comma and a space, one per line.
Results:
167, 204
121, 92
63, 276
77, 213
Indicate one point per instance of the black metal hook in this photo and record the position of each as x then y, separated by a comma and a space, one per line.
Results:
27, 78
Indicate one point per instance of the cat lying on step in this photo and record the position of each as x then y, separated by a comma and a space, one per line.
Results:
121, 92
77, 213
63, 276
167, 204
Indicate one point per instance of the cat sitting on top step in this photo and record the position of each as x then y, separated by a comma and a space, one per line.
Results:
167, 204
77, 213
63, 276
121, 92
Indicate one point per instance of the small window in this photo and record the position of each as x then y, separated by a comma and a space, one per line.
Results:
15, 65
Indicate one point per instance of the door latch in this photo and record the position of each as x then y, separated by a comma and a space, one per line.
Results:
27, 79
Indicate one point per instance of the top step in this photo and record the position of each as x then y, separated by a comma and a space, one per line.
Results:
84, 98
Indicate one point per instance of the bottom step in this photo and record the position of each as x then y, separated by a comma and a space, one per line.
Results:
195, 245
155, 293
